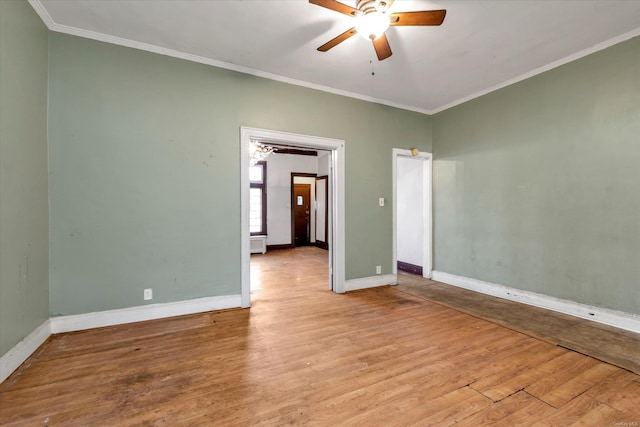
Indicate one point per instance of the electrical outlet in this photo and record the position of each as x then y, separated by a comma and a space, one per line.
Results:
378, 269
148, 294
381, 201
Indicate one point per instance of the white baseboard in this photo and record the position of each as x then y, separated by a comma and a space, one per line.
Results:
15, 357
619, 319
10, 361
141, 313
370, 282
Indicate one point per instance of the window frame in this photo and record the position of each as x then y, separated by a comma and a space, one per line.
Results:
263, 187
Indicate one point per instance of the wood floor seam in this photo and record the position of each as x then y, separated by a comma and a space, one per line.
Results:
305, 356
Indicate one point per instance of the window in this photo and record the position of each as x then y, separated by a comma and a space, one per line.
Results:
258, 199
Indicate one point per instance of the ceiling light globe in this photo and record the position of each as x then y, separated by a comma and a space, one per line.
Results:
372, 25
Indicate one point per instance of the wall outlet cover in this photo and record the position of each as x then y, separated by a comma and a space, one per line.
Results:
148, 294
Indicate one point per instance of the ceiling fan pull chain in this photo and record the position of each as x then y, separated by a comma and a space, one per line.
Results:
373, 73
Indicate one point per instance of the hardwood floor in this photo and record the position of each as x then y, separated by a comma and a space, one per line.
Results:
612, 345
303, 355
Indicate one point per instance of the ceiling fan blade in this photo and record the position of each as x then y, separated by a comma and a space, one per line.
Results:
337, 40
336, 6
423, 17
381, 45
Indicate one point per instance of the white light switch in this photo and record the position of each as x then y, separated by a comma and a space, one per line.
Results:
381, 201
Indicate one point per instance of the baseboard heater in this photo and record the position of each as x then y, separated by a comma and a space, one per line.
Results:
258, 244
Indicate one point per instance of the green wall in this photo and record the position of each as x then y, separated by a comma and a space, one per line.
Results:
537, 185
144, 172
24, 211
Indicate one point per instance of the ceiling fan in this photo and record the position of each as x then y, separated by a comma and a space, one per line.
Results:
373, 19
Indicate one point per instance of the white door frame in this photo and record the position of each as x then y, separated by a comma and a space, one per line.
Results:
427, 224
337, 242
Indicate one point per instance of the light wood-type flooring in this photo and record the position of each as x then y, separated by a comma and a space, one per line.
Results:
303, 355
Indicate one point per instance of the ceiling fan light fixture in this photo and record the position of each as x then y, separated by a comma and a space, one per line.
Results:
373, 17
372, 25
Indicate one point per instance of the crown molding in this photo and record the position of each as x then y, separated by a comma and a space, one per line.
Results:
575, 56
74, 31
42, 13
106, 38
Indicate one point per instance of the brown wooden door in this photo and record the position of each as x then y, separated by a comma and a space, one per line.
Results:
301, 214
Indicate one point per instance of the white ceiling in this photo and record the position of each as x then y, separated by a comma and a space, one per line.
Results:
481, 46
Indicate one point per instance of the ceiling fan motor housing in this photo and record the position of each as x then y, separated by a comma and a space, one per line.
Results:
373, 18
368, 6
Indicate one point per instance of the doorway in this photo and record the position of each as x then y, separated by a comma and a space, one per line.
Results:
412, 216
301, 214
303, 209
336, 200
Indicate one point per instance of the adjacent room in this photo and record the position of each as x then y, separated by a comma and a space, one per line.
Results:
322, 213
